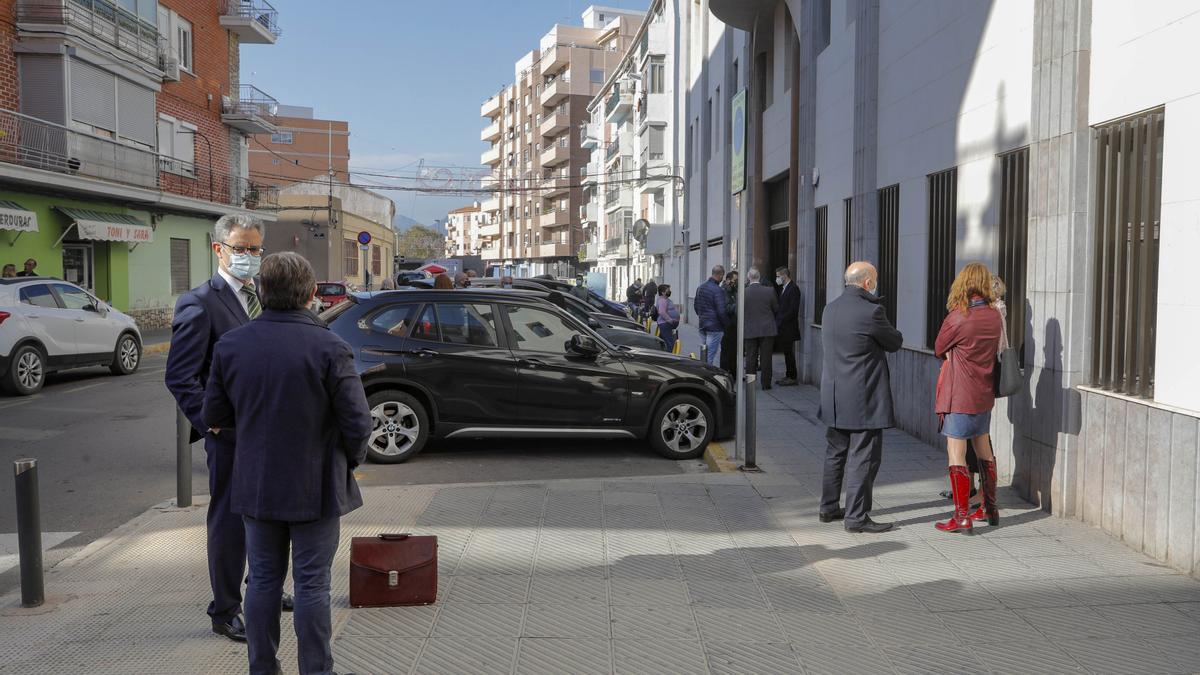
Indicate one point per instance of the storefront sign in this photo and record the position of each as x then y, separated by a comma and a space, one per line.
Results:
18, 220
98, 230
737, 152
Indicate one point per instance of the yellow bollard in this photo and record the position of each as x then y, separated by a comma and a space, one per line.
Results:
677, 348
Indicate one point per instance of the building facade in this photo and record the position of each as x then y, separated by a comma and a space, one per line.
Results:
535, 155
925, 136
300, 147
122, 139
462, 230
634, 180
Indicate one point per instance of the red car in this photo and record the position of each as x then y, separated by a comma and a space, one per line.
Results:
331, 293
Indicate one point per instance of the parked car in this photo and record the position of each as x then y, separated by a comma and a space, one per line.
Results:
599, 302
406, 277
606, 319
331, 293
484, 363
47, 325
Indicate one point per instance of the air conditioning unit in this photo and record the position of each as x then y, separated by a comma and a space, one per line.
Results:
170, 68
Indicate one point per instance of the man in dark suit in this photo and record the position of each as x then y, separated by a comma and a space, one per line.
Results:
293, 481
760, 307
788, 322
856, 397
202, 315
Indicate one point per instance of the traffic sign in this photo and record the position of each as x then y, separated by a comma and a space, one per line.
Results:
364, 237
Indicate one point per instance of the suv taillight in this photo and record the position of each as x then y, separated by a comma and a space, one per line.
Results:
4, 316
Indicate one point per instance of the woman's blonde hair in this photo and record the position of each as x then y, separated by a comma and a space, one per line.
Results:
999, 290
973, 280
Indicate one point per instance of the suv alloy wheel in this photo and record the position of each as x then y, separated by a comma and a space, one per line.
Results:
400, 427
27, 372
127, 357
682, 427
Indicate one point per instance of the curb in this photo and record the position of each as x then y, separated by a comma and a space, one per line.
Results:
717, 459
157, 348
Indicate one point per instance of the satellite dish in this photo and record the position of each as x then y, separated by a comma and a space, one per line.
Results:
640, 228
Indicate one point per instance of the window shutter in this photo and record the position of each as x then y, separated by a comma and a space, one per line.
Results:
43, 93
166, 137
181, 272
185, 144
93, 96
136, 116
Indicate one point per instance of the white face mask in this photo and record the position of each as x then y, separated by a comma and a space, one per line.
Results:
778, 281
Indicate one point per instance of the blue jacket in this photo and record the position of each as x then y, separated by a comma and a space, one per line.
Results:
710, 306
287, 388
202, 316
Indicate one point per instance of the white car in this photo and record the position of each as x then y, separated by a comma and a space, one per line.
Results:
48, 324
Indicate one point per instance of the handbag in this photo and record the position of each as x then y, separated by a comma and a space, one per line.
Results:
1006, 375
389, 570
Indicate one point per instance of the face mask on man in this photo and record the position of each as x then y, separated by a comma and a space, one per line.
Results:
778, 281
244, 266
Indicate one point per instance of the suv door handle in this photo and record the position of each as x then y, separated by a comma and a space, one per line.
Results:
423, 352
532, 363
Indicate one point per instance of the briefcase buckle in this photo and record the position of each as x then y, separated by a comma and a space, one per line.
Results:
393, 578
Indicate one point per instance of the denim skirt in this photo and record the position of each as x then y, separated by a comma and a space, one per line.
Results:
964, 425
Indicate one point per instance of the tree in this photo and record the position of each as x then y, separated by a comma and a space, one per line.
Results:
419, 242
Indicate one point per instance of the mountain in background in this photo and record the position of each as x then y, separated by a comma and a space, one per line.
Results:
402, 222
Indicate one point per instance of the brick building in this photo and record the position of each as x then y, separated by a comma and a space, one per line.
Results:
300, 147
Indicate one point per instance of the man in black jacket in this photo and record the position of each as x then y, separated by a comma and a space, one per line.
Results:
761, 306
788, 323
856, 397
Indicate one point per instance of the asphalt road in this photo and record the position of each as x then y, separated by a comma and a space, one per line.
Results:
105, 447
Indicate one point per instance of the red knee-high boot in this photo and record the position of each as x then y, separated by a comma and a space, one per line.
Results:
960, 486
988, 510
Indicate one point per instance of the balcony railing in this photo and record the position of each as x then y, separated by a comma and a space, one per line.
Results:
101, 19
264, 16
38, 144
253, 102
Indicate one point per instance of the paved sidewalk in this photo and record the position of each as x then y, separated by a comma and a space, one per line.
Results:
717, 573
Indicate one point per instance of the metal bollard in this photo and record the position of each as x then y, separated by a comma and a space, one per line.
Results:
183, 460
751, 424
29, 533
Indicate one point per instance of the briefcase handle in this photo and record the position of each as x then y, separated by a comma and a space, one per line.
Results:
395, 537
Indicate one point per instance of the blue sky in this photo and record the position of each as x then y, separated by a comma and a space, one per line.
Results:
409, 76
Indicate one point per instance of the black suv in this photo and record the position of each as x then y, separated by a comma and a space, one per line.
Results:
481, 363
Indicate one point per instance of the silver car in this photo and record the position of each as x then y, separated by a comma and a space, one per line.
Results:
48, 325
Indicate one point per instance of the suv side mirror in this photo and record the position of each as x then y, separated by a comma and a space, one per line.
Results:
594, 323
584, 345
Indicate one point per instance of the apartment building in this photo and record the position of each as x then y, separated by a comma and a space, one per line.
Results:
634, 179
462, 230
535, 155
122, 139
300, 146
927, 135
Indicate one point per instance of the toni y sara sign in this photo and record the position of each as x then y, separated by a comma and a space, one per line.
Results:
737, 150
104, 231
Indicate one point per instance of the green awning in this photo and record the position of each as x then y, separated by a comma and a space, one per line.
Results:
15, 217
101, 226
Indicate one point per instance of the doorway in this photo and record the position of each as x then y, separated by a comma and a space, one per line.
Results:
79, 265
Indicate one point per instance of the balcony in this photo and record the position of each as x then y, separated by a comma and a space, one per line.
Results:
588, 213
555, 218
253, 21
613, 150
253, 112
557, 153
555, 185
556, 250
491, 107
555, 92
591, 251
589, 136
491, 132
555, 122
491, 156
491, 252
105, 21
618, 197
489, 182
616, 247
617, 108
555, 59
489, 230
489, 205
37, 144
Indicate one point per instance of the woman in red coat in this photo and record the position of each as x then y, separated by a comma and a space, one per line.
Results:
968, 342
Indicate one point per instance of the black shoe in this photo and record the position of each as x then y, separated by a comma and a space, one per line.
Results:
832, 516
869, 526
787, 382
289, 603
234, 629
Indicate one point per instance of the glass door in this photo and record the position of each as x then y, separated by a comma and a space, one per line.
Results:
78, 265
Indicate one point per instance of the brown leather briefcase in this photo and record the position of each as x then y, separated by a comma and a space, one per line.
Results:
393, 569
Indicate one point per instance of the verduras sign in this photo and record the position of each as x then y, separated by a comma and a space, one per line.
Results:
18, 220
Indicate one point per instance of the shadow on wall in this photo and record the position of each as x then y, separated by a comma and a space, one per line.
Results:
1039, 414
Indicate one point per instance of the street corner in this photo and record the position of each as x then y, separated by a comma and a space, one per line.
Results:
157, 348
717, 459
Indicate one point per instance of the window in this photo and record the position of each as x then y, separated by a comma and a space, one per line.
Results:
821, 263
889, 248
100, 100
943, 216
275, 161
38, 296
658, 75
821, 25
426, 328
712, 127
1128, 203
176, 32
282, 137
537, 330
376, 260
181, 266
350, 255
655, 145
1014, 236
72, 297
177, 145
395, 320
464, 324
597, 76
716, 122
848, 226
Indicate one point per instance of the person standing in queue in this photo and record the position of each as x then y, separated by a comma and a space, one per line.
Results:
729, 341
30, 269
227, 301
761, 308
710, 308
856, 397
442, 282
668, 317
293, 482
788, 323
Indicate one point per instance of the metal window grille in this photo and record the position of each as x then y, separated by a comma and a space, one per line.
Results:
889, 248
943, 210
350, 256
376, 260
1014, 241
847, 218
1128, 201
181, 266
821, 264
